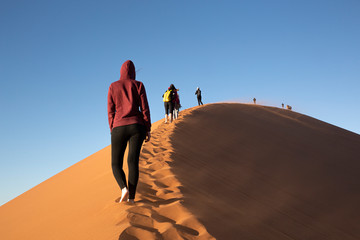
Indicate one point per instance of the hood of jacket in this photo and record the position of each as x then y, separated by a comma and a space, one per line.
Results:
127, 70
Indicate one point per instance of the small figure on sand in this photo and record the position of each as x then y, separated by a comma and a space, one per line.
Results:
176, 103
282, 105
254, 100
129, 121
198, 94
168, 99
288, 107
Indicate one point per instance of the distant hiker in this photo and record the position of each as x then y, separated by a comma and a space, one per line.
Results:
282, 105
288, 107
129, 120
254, 100
176, 103
168, 98
198, 94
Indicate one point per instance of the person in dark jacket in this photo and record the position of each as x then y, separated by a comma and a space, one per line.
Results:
198, 94
129, 121
176, 103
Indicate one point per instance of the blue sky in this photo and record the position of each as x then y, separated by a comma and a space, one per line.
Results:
58, 59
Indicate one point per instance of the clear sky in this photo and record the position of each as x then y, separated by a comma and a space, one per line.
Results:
58, 58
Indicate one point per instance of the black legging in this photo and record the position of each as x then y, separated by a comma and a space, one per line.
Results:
120, 136
199, 100
169, 107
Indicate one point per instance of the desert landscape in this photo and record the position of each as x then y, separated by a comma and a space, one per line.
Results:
221, 171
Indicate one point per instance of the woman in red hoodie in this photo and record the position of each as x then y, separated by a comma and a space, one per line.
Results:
129, 121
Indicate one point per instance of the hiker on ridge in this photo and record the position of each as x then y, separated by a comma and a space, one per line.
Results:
176, 103
198, 94
129, 121
168, 98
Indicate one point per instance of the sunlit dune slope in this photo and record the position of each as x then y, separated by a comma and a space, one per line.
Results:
77, 203
81, 202
255, 172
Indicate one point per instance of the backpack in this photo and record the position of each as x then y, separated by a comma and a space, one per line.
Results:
167, 96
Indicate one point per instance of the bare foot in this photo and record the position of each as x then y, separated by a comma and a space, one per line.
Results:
124, 194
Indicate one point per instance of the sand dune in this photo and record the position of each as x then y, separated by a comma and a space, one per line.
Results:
224, 171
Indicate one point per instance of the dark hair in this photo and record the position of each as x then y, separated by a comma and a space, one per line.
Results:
172, 87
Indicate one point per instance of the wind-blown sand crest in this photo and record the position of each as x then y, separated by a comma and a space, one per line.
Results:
224, 171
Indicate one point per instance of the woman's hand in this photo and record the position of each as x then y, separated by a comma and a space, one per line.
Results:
148, 137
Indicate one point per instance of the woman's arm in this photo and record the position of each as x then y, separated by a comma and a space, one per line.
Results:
144, 106
110, 109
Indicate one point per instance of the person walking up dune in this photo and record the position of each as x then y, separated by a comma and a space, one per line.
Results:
129, 121
198, 94
176, 103
168, 98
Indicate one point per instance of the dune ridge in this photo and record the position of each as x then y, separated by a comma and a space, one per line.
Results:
159, 213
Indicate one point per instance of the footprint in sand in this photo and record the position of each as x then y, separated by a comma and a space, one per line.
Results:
159, 213
150, 223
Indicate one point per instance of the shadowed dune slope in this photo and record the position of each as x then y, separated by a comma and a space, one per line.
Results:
256, 172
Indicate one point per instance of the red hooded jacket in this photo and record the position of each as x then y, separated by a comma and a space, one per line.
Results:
127, 101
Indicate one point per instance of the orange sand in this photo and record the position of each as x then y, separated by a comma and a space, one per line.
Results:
224, 171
